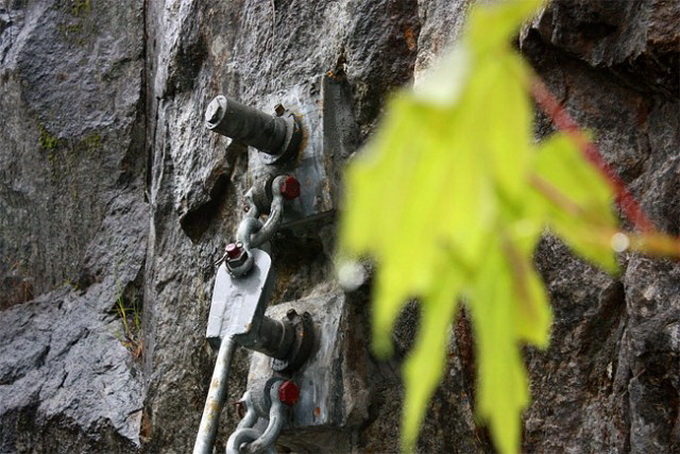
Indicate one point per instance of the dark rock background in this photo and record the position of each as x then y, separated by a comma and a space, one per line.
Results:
112, 194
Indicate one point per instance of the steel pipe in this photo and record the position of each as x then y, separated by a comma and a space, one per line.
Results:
277, 136
217, 395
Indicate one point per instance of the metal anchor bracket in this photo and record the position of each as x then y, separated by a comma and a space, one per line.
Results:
241, 293
237, 311
324, 402
237, 318
309, 138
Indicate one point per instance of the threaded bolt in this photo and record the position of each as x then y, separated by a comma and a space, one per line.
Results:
214, 112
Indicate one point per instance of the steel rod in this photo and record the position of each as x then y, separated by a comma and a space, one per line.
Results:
217, 396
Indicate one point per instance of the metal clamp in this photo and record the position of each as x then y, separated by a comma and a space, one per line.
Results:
240, 296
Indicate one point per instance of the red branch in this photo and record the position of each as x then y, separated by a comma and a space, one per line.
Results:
557, 113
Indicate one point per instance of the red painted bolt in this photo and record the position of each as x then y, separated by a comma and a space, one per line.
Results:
290, 188
233, 250
289, 393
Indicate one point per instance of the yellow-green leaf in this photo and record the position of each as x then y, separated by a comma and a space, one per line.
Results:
502, 384
424, 368
450, 198
494, 24
579, 202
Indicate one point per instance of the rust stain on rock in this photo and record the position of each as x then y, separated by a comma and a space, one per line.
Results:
411, 38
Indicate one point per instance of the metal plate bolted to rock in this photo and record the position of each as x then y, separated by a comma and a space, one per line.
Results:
325, 399
329, 130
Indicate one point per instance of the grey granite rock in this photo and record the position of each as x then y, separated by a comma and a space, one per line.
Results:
73, 224
111, 190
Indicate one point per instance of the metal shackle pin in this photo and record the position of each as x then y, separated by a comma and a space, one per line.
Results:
278, 137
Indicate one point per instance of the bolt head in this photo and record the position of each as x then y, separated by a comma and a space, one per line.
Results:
236, 255
289, 393
290, 188
214, 111
233, 250
240, 409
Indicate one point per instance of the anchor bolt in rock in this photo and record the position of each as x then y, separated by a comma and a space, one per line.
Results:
276, 137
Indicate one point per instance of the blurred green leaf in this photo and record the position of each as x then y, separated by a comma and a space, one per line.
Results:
578, 200
450, 198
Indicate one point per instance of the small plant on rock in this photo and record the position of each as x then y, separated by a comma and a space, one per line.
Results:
130, 314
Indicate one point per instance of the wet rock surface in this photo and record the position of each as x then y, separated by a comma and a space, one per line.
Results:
113, 194
68, 381
73, 225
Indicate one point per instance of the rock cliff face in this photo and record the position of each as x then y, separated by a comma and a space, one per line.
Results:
115, 201
73, 223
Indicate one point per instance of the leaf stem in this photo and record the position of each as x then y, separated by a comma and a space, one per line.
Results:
559, 116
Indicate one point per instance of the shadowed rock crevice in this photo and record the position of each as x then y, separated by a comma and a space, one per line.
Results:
197, 220
629, 38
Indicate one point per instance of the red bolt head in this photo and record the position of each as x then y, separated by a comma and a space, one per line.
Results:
234, 250
289, 393
290, 188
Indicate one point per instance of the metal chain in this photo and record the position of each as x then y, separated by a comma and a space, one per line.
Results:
251, 232
248, 440
250, 418
254, 234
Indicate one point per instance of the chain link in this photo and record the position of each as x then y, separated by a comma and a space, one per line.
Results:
248, 440
252, 232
